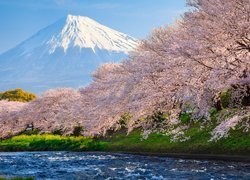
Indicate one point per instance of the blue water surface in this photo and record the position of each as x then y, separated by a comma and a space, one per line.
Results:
81, 165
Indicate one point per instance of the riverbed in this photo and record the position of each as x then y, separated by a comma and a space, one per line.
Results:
81, 165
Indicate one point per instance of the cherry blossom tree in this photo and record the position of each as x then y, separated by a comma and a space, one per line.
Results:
177, 67
9, 110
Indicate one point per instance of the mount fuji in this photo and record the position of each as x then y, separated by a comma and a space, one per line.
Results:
63, 54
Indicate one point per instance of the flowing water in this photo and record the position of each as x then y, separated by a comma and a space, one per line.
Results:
80, 165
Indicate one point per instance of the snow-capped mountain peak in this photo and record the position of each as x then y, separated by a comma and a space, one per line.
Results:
84, 32
63, 54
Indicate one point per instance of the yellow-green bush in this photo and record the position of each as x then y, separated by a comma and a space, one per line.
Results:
225, 98
17, 95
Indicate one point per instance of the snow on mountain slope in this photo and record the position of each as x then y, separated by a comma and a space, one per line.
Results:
86, 33
63, 54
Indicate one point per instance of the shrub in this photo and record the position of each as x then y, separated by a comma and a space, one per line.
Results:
237, 96
185, 117
31, 132
225, 97
213, 112
57, 132
241, 95
156, 122
123, 121
159, 117
77, 130
17, 95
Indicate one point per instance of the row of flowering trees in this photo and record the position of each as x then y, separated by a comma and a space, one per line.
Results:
186, 64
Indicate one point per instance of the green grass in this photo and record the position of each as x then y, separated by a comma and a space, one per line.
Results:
237, 143
46, 142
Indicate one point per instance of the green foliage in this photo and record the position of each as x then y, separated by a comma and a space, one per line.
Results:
48, 142
78, 130
17, 95
237, 144
185, 117
159, 117
31, 132
246, 100
125, 118
121, 124
57, 132
213, 113
237, 96
225, 97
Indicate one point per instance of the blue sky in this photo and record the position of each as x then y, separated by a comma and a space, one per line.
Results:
20, 19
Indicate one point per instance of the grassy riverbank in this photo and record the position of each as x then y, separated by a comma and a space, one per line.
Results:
237, 143
47, 142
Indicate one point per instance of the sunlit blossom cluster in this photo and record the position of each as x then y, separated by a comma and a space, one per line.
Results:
222, 130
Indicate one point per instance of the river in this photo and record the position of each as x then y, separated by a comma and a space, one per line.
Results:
81, 165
